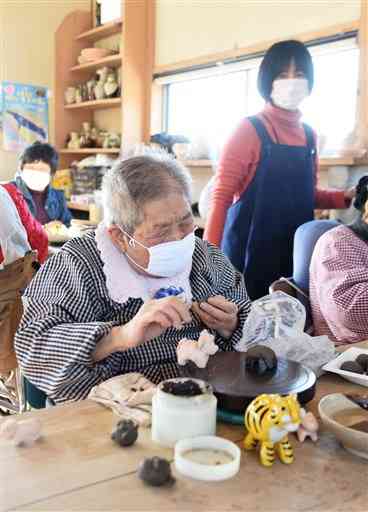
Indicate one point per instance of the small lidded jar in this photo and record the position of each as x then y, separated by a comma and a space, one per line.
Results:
182, 408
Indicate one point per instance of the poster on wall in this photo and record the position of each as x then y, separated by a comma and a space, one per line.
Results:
24, 115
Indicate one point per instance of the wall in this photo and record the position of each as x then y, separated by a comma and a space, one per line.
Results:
187, 29
27, 50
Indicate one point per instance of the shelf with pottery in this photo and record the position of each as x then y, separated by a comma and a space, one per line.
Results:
82, 97
97, 33
95, 104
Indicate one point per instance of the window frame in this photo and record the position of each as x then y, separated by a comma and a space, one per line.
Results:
326, 46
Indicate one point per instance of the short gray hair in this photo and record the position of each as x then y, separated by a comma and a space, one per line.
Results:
135, 181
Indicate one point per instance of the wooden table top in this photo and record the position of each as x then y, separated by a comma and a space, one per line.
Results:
77, 467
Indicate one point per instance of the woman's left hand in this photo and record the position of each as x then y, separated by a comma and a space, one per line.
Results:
218, 314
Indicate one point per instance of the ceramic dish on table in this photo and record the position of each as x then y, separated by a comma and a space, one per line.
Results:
339, 415
207, 458
350, 354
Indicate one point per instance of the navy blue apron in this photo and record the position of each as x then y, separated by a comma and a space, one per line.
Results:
260, 226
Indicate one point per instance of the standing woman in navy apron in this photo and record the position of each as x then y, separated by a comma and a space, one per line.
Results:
266, 183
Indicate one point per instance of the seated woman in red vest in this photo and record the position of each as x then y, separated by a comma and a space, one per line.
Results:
37, 167
19, 230
339, 277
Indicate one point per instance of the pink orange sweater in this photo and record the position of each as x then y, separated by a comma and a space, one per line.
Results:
240, 159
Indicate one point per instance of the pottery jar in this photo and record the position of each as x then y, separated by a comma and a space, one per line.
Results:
70, 95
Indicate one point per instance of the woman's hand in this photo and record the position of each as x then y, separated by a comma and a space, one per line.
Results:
153, 319
219, 314
349, 194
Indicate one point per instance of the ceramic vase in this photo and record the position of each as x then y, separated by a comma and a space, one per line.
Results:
70, 95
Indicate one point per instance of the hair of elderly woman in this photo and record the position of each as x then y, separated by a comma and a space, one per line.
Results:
133, 182
361, 195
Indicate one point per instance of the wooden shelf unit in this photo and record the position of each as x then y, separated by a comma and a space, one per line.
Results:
323, 162
197, 163
96, 104
136, 58
336, 161
90, 151
97, 33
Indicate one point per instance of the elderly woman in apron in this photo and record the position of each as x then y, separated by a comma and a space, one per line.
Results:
266, 184
97, 309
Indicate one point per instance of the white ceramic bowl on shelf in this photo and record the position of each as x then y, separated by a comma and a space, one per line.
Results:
91, 54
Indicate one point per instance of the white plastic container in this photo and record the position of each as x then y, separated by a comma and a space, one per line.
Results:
179, 417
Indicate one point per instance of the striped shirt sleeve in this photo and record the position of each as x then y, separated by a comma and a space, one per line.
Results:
229, 283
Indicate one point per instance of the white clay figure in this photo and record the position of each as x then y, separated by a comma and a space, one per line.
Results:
197, 351
308, 428
188, 351
206, 343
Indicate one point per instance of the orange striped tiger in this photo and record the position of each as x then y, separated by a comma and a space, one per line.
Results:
268, 420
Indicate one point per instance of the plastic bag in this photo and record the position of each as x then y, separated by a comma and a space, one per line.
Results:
277, 321
274, 316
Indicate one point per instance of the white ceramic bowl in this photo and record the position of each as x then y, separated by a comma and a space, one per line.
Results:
203, 471
353, 440
95, 53
350, 354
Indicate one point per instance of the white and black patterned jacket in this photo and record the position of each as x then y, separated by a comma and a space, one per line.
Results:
67, 310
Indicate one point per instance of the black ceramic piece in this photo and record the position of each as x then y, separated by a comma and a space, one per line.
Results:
235, 387
362, 360
361, 400
155, 472
260, 360
125, 433
352, 366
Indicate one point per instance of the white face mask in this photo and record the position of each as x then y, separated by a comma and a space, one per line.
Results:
35, 180
288, 93
168, 259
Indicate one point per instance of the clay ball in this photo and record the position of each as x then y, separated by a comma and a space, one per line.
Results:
362, 360
352, 366
182, 388
155, 472
125, 433
260, 360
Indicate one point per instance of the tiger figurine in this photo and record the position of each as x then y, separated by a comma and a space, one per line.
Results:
268, 420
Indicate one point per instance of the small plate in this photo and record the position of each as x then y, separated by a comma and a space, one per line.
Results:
349, 355
203, 470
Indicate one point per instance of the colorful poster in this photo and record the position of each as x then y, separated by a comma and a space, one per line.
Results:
24, 115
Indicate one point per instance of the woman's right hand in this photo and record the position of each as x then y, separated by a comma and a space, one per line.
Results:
154, 317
